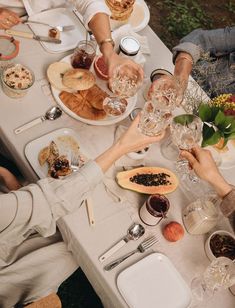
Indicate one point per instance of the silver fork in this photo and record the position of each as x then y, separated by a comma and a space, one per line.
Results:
74, 162
59, 28
146, 244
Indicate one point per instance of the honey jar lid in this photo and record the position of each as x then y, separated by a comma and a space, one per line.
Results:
129, 45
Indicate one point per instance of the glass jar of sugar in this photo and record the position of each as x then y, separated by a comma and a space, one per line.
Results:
201, 215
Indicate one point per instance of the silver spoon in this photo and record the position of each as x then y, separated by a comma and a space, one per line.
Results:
51, 114
133, 233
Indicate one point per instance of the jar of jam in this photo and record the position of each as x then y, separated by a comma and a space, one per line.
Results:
154, 209
83, 55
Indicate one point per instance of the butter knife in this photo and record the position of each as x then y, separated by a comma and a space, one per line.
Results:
33, 36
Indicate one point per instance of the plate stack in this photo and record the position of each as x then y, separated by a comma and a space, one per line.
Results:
120, 9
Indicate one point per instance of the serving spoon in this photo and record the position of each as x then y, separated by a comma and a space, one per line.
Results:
52, 114
133, 233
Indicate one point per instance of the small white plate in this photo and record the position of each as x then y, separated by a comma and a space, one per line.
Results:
153, 282
108, 120
33, 148
59, 17
139, 18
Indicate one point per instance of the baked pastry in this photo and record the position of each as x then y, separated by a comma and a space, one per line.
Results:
59, 167
55, 73
120, 9
43, 155
87, 104
54, 33
79, 104
78, 79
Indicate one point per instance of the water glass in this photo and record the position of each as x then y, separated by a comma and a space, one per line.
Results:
125, 81
153, 120
220, 274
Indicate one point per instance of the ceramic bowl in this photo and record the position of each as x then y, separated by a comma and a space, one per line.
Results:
208, 250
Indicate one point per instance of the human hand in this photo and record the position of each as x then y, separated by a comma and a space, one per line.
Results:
8, 19
169, 85
204, 166
133, 140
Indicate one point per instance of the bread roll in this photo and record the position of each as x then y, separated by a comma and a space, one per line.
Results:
55, 72
78, 79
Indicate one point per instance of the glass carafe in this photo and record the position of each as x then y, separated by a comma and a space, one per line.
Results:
201, 215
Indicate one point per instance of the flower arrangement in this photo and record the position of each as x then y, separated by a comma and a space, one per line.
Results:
218, 116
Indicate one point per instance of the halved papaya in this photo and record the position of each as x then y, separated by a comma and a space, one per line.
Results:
148, 180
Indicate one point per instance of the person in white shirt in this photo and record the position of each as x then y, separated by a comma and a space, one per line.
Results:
34, 260
95, 17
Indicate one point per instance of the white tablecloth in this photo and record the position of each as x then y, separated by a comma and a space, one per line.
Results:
112, 218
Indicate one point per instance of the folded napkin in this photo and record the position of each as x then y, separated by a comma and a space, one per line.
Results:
126, 30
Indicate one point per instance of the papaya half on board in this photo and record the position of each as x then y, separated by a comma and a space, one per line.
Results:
148, 180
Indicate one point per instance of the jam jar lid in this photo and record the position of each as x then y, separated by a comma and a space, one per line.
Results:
129, 45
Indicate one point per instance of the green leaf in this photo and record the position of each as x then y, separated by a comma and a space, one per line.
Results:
213, 139
220, 118
205, 112
232, 136
184, 119
214, 112
207, 131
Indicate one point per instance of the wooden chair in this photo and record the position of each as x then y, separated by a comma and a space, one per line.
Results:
50, 301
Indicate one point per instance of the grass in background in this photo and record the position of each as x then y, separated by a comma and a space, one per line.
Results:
184, 17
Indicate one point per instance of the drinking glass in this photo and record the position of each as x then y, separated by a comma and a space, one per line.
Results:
220, 274
124, 83
153, 120
166, 92
186, 130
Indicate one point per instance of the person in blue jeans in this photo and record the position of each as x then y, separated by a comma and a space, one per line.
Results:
209, 55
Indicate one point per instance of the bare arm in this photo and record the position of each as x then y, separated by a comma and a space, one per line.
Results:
132, 140
10, 181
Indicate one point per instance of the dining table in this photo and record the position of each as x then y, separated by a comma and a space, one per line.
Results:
115, 209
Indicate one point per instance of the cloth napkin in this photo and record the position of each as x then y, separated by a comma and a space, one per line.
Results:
126, 30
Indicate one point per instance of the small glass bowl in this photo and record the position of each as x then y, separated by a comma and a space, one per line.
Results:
16, 92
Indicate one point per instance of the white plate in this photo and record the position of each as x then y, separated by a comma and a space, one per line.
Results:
33, 148
59, 17
109, 120
224, 160
153, 282
139, 18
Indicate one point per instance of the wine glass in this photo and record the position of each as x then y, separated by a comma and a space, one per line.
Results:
153, 120
186, 130
124, 83
219, 275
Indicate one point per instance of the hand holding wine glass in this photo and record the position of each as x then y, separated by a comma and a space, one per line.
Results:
125, 81
186, 130
156, 115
